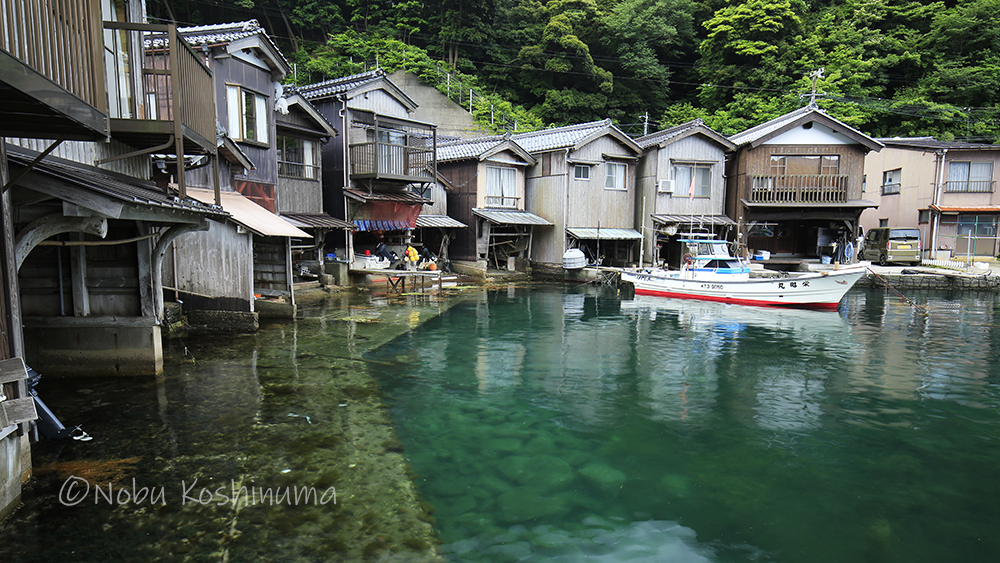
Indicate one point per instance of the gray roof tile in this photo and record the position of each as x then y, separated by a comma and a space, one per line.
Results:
340, 85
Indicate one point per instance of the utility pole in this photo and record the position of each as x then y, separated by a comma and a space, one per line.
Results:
645, 124
815, 75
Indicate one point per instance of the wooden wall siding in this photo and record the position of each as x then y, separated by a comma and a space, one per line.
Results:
298, 118
758, 161
270, 266
60, 41
439, 196
111, 278
89, 153
216, 263
295, 195
461, 200
231, 70
545, 196
380, 102
691, 149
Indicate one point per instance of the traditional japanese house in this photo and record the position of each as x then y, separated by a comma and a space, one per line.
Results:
377, 171
946, 189
583, 181
681, 189
84, 230
249, 257
302, 132
484, 179
795, 183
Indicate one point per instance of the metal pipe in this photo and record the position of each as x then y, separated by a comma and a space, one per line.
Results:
936, 226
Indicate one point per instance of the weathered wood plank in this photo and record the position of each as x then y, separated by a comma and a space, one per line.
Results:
12, 370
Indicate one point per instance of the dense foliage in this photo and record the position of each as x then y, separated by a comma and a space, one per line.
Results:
889, 67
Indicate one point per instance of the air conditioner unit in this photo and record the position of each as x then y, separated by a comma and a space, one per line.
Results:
665, 186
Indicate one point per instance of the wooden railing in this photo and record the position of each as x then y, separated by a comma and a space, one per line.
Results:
174, 84
501, 202
61, 41
392, 161
800, 188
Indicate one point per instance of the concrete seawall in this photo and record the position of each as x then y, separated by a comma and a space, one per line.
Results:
922, 279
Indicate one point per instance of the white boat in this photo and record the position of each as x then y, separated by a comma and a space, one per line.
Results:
710, 273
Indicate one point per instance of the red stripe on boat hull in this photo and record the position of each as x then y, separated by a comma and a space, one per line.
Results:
720, 299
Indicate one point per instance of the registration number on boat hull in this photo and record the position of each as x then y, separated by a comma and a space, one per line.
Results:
711, 286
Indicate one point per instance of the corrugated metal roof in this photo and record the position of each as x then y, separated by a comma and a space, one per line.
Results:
932, 143
693, 219
316, 221
559, 137
251, 215
440, 221
109, 184
340, 85
510, 217
966, 208
401, 197
604, 234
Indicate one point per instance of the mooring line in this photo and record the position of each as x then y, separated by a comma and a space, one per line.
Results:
921, 308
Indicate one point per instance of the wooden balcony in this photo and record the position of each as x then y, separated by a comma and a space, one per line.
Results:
794, 189
402, 151
51, 72
161, 91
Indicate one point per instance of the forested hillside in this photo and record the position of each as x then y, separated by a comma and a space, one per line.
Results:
889, 67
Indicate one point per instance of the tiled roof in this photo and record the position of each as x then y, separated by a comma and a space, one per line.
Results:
658, 137
676, 133
109, 184
593, 233
466, 149
340, 85
934, 144
559, 137
220, 33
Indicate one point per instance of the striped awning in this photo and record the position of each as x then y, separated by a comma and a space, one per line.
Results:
380, 225
604, 234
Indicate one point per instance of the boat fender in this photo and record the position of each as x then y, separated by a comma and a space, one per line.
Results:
688, 259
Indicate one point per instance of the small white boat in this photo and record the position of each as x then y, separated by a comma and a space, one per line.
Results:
710, 273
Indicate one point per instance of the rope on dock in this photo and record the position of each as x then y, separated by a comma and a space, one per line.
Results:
907, 300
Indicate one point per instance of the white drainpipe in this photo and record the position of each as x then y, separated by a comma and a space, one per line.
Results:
937, 201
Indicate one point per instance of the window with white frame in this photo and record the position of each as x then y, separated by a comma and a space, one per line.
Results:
891, 181
297, 158
974, 177
615, 179
247, 115
581, 172
694, 180
501, 187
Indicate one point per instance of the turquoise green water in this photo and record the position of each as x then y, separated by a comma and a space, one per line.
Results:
552, 425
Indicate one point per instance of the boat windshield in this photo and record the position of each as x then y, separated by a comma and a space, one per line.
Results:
713, 249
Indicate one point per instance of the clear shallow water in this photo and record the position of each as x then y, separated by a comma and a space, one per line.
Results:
552, 424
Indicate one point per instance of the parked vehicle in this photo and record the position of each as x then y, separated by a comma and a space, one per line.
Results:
892, 244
